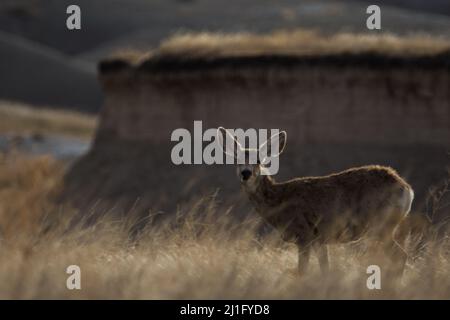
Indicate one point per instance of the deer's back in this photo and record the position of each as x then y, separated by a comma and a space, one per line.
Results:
343, 204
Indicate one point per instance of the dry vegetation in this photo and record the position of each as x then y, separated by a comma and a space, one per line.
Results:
202, 257
24, 119
300, 42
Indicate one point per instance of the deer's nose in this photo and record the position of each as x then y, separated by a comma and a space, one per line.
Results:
246, 174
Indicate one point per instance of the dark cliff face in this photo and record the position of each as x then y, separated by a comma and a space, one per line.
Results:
163, 64
364, 98
339, 111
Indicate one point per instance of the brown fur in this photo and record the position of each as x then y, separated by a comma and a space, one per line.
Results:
309, 209
340, 207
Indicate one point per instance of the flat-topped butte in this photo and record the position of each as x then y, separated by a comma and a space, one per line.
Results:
194, 52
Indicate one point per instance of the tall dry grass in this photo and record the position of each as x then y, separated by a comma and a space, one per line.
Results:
297, 42
201, 254
300, 42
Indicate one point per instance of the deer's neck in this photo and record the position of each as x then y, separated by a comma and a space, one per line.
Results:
262, 193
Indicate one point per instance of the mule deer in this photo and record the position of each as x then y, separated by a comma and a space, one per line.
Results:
316, 211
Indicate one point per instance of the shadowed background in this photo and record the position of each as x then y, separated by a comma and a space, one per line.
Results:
340, 110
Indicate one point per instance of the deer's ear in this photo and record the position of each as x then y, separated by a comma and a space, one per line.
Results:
228, 142
274, 146
282, 142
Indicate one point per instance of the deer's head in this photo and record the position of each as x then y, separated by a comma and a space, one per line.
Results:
252, 162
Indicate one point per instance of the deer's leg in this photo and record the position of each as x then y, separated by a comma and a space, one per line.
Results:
303, 258
322, 254
393, 246
397, 258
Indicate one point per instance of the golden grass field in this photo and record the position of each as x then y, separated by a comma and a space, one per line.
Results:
202, 254
204, 257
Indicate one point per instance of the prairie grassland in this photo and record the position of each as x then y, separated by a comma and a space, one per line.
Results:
203, 255
20, 118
